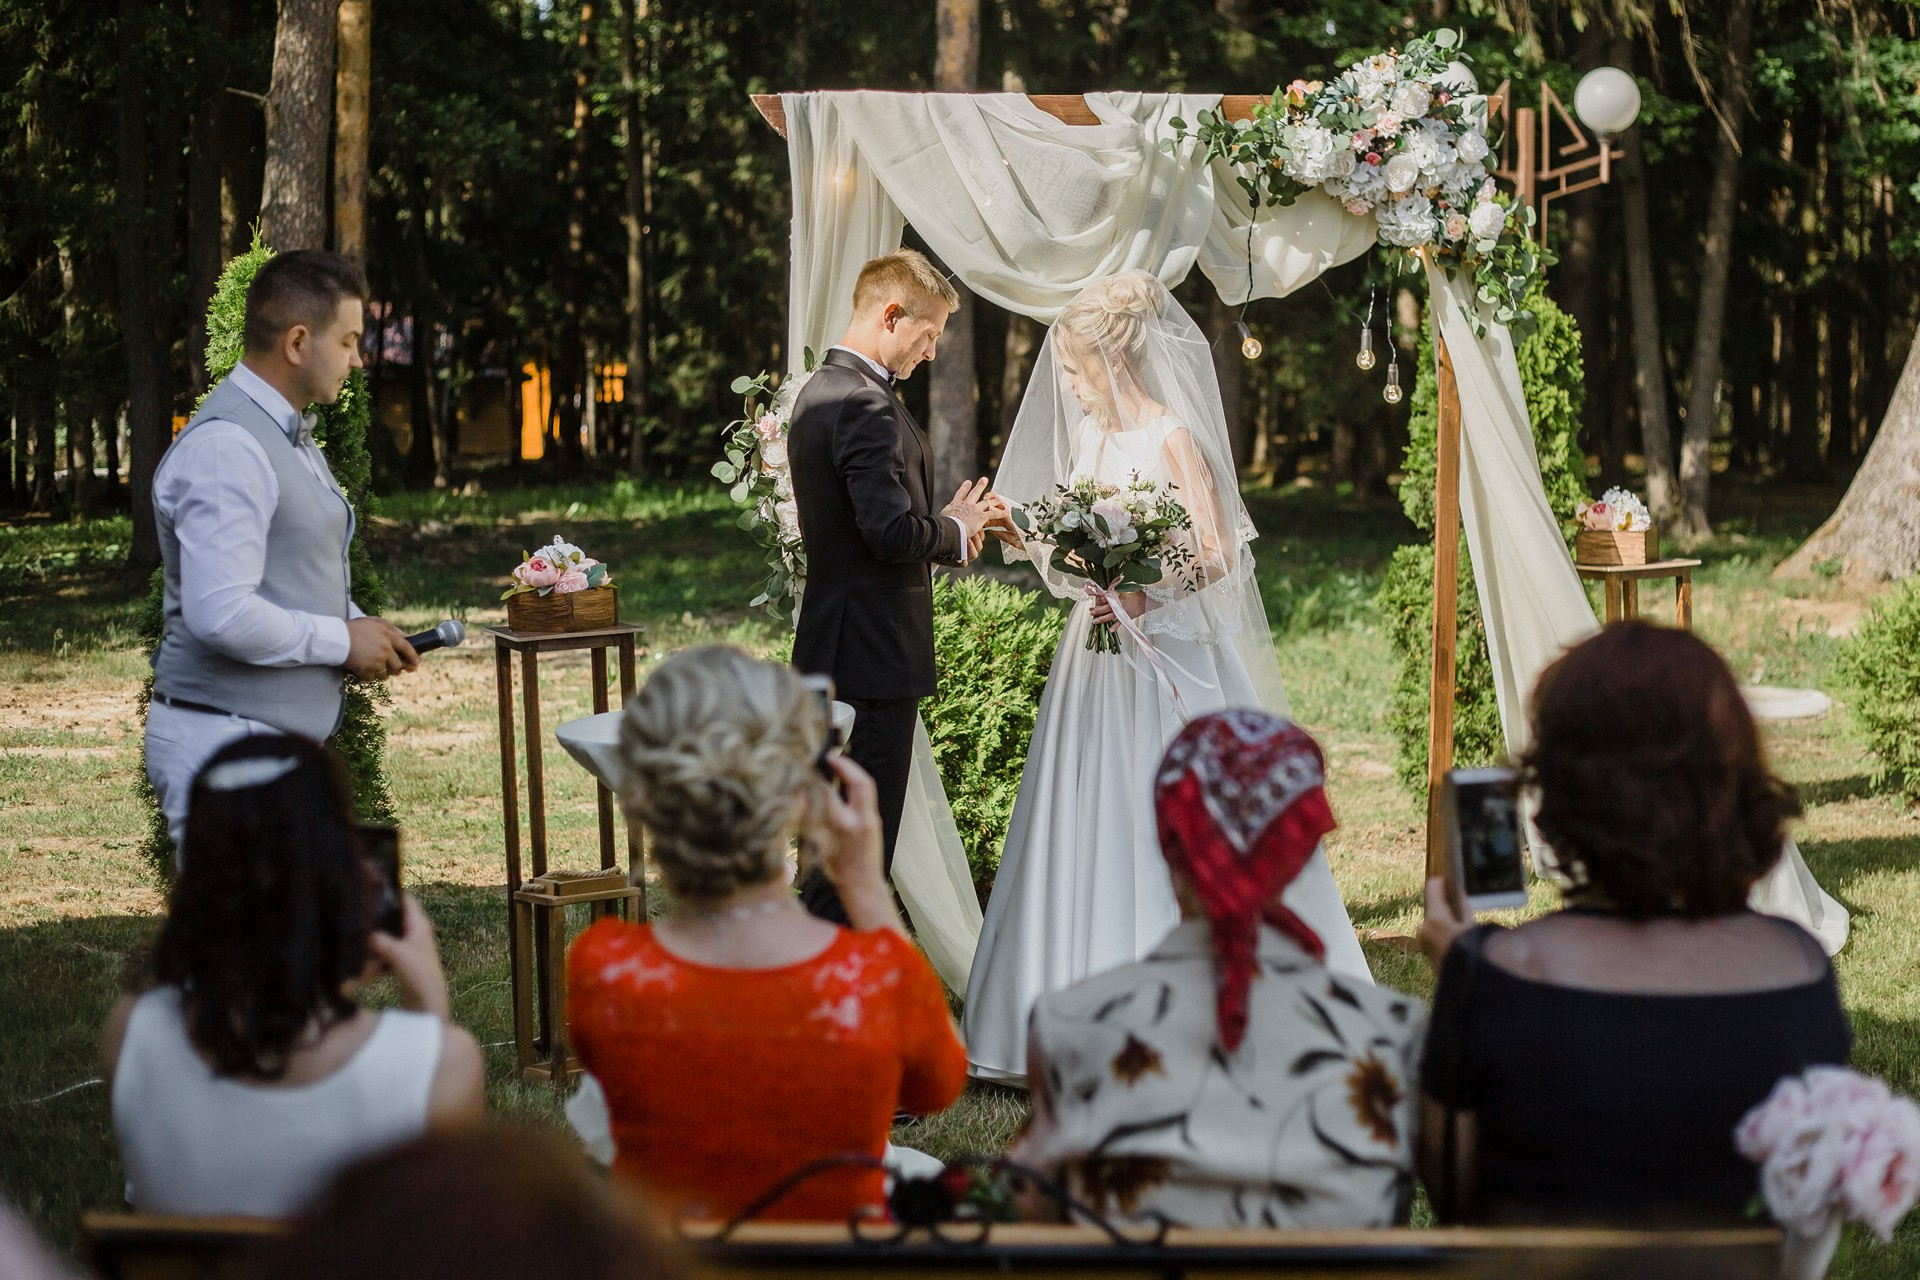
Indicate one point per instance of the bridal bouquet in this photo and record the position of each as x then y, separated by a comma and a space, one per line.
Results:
1618, 511
755, 469
1400, 135
1832, 1145
1117, 539
557, 568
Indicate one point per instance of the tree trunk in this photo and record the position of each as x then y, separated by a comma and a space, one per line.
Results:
1800, 367
1875, 531
147, 425
293, 197
1583, 272
352, 85
1650, 364
204, 237
1716, 260
1022, 337
570, 369
638, 175
953, 396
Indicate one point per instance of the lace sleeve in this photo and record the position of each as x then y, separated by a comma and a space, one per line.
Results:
1193, 604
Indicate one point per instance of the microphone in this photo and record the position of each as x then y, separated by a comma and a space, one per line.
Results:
445, 636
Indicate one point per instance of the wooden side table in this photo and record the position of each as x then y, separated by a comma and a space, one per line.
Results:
1623, 587
537, 903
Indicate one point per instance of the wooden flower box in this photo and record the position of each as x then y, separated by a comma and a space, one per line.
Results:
554, 612
1601, 546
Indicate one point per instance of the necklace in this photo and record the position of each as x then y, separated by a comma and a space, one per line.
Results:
748, 911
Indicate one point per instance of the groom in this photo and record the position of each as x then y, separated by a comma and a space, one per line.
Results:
863, 479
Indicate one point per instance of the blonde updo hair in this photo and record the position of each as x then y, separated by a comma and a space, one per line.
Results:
1109, 318
717, 756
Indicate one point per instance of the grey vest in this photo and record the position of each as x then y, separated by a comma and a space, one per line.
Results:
306, 571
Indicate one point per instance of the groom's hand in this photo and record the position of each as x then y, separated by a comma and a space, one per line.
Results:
972, 506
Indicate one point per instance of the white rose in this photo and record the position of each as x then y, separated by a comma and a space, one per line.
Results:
1402, 172
1343, 163
1412, 99
1486, 220
1069, 519
773, 454
788, 514
1471, 145
1406, 222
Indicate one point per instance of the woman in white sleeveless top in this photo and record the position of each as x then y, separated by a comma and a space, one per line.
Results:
249, 1076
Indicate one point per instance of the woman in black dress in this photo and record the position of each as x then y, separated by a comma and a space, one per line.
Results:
1590, 1066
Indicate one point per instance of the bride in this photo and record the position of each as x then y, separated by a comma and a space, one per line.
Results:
1124, 384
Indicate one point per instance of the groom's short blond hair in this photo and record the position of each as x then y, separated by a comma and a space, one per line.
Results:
906, 277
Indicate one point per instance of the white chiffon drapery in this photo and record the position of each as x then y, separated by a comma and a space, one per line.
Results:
1026, 211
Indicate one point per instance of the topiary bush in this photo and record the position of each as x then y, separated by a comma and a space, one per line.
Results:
1551, 376
994, 645
1880, 664
341, 433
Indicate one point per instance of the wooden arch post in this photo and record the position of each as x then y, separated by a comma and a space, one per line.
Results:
1072, 109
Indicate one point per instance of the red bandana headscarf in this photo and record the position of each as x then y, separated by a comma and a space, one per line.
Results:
1241, 803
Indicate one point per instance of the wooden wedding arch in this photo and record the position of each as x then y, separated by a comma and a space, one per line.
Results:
1072, 109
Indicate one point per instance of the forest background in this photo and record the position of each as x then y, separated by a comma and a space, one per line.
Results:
575, 184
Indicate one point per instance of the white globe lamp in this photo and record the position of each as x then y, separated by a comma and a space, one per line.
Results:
1607, 101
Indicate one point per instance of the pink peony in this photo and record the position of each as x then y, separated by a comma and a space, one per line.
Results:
1881, 1180
572, 580
537, 572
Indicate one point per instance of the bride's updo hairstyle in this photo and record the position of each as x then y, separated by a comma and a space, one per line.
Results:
1109, 319
717, 756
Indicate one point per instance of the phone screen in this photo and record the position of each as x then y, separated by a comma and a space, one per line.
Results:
822, 687
1492, 847
382, 847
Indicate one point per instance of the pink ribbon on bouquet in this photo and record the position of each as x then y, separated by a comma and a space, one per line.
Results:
1159, 660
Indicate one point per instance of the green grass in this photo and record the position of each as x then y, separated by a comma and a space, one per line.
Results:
76, 902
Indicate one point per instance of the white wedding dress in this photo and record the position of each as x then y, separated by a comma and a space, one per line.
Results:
1082, 884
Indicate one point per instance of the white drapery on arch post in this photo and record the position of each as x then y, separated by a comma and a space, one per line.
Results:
1027, 201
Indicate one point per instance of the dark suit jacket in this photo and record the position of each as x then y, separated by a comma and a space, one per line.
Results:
863, 477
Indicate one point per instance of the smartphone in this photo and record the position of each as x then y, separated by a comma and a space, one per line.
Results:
1486, 839
382, 847
822, 687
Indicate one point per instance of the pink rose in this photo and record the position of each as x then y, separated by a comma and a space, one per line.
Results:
768, 428
1882, 1178
538, 572
573, 580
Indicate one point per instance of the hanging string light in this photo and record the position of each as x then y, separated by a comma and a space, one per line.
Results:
1249, 345
1365, 359
1392, 393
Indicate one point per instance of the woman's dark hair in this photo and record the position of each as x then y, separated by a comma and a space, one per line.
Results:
489, 1203
269, 915
1653, 787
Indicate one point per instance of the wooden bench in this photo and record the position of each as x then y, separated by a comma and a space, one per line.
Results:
126, 1246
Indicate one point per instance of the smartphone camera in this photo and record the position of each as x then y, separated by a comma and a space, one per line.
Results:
1487, 838
381, 845
822, 687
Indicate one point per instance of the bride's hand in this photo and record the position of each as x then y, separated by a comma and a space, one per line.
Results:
1134, 602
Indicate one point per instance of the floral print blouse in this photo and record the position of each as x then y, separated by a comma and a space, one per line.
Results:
1138, 1109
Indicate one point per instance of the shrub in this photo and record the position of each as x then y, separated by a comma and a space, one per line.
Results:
1881, 666
1551, 377
342, 435
995, 646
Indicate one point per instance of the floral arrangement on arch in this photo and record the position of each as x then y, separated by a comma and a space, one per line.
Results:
1401, 135
755, 469
1617, 511
557, 568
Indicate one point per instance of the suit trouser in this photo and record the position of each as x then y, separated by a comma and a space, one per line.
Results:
178, 743
882, 744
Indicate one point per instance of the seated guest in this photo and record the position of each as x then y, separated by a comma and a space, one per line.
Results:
1229, 1079
249, 1076
482, 1204
738, 1038
1590, 1065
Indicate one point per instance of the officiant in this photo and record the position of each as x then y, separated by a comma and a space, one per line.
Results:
260, 628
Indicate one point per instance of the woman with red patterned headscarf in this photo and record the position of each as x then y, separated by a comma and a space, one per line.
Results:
1229, 1079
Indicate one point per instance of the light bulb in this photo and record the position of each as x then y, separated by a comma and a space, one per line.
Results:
1392, 392
1249, 345
1366, 358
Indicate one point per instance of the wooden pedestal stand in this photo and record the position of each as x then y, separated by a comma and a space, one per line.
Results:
1623, 587
537, 905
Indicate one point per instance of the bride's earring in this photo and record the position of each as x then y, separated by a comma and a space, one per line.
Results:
1366, 358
